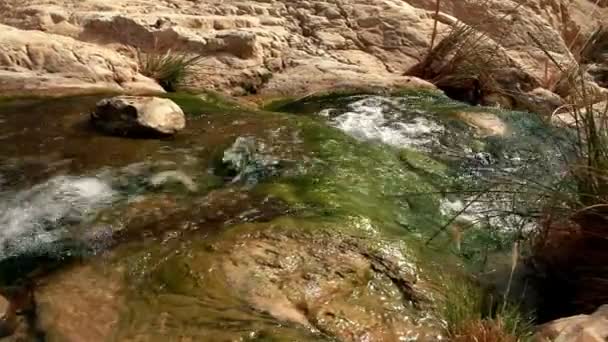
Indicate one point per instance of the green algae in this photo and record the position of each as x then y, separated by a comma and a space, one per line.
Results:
349, 177
195, 105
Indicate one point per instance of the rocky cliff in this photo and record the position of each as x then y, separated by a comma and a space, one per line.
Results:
270, 46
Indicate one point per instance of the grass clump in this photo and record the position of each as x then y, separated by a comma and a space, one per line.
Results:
471, 315
465, 62
576, 223
564, 213
170, 68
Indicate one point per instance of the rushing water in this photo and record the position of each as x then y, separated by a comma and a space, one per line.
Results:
247, 225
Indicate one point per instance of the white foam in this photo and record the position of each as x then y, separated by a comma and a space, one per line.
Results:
378, 118
34, 216
482, 211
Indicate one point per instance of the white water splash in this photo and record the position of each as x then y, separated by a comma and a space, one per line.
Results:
33, 217
379, 118
481, 211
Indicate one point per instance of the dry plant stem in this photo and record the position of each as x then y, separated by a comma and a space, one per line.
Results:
435, 22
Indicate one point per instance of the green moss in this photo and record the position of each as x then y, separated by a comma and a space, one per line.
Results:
197, 105
353, 178
431, 170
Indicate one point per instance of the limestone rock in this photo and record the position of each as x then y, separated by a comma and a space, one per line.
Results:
286, 46
80, 304
48, 64
587, 328
139, 116
540, 101
567, 117
486, 123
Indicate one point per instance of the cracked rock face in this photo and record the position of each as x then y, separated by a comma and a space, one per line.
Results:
41, 63
271, 47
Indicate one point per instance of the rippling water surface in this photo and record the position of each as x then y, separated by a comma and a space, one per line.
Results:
247, 225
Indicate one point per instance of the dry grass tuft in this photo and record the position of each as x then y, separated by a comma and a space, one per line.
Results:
471, 314
572, 246
169, 68
465, 61
483, 331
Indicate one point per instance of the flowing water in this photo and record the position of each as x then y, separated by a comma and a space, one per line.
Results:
249, 225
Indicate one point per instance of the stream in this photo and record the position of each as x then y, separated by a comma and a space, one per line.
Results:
306, 223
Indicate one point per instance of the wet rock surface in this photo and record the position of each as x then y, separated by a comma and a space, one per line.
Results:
138, 116
338, 286
310, 284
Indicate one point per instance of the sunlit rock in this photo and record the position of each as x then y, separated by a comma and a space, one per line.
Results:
138, 116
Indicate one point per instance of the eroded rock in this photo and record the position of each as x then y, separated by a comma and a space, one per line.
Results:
286, 47
581, 328
34, 62
333, 284
138, 116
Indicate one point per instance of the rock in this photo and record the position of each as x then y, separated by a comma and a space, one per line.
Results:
162, 178
332, 284
262, 279
305, 45
247, 163
568, 117
138, 116
34, 62
581, 328
599, 72
540, 101
81, 303
497, 100
486, 123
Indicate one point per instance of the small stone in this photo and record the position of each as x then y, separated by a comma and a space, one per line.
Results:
138, 116
176, 176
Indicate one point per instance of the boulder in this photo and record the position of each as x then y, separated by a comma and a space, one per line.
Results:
581, 328
138, 116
